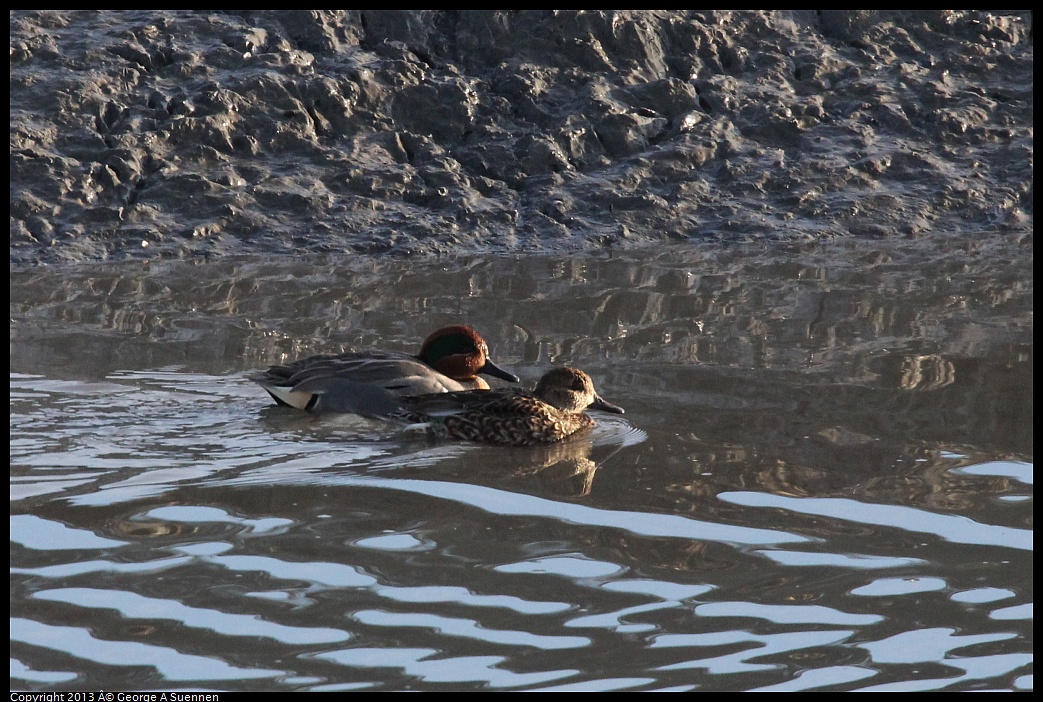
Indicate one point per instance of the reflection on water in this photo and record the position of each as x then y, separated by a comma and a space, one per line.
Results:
823, 480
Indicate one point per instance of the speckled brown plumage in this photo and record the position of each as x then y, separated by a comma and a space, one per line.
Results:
552, 412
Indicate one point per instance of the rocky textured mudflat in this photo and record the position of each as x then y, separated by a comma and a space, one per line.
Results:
156, 133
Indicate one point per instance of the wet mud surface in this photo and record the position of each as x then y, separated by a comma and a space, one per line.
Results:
168, 134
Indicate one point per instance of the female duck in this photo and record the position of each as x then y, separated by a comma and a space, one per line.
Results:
550, 413
450, 360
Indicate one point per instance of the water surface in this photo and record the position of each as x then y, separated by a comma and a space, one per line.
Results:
823, 480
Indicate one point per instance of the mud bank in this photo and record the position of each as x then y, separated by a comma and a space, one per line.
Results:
157, 134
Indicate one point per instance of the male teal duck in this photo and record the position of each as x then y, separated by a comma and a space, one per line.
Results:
550, 413
450, 360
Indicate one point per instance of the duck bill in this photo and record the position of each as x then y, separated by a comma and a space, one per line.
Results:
600, 404
495, 371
